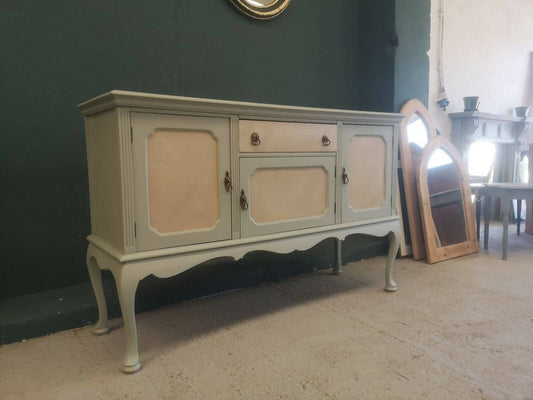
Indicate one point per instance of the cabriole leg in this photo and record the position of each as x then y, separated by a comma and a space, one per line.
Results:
126, 288
95, 274
394, 244
337, 267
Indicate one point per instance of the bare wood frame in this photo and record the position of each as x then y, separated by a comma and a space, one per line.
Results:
409, 163
470, 245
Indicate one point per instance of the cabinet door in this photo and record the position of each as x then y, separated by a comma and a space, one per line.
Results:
286, 193
366, 172
179, 169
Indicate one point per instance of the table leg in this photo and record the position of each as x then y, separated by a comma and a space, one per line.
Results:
394, 245
518, 215
478, 213
488, 200
506, 206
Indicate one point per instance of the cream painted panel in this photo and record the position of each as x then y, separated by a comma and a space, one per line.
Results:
288, 193
366, 158
179, 168
182, 180
286, 136
367, 188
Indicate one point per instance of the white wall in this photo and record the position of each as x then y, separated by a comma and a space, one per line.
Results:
486, 53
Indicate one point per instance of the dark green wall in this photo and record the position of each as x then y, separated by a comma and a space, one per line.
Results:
411, 66
56, 54
376, 70
393, 44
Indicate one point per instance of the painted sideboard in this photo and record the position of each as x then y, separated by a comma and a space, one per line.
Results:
177, 181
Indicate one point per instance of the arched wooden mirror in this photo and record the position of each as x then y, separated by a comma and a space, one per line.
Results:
445, 205
261, 9
416, 130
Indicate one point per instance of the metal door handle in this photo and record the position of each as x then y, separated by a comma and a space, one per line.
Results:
227, 182
255, 139
345, 178
244, 202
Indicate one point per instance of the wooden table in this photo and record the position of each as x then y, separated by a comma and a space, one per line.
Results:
506, 192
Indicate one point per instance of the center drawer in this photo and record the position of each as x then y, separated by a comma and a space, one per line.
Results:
273, 136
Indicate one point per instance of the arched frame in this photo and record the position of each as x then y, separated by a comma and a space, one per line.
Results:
436, 253
409, 163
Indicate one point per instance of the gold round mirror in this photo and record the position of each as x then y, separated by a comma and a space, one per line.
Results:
261, 9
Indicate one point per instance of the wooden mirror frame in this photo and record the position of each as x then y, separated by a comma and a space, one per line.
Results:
275, 8
435, 253
409, 167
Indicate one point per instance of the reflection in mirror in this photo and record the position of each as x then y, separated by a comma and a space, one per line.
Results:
446, 200
416, 129
444, 190
259, 3
481, 159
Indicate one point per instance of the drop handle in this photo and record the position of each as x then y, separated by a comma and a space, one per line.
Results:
325, 141
227, 182
254, 138
244, 201
345, 178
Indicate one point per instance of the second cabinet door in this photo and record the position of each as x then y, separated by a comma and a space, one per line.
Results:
283, 194
179, 169
366, 172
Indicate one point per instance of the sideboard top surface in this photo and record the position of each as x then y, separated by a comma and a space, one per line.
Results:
120, 98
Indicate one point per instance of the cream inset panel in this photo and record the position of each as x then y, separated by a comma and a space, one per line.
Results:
286, 137
286, 193
182, 180
279, 194
367, 175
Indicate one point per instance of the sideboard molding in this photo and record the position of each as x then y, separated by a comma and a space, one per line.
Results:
127, 179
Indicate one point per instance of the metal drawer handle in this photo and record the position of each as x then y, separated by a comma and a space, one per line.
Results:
227, 182
244, 202
345, 179
325, 141
255, 139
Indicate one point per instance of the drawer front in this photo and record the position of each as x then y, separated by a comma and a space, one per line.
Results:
270, 136
284, 194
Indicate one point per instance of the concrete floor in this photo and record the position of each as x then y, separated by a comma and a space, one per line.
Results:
459, 329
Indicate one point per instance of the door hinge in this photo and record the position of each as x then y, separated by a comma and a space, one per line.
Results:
135, 229
131, 134
334, 208
335, 171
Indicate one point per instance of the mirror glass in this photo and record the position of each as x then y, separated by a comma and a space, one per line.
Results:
259, 3
417, 132
446, 199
